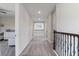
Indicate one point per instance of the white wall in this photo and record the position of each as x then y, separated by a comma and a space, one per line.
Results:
48, 28
54, 20
23, 28
53, 25
8, 22
67, 17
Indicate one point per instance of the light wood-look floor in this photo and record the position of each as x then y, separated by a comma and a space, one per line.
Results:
38, 48
5, 50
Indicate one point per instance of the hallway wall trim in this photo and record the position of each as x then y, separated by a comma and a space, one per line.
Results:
25, 47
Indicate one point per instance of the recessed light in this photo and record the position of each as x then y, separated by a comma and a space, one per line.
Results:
39, 12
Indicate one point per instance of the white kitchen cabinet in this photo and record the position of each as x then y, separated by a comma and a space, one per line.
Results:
11, 37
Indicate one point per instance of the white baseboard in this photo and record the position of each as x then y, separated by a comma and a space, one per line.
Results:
24, 48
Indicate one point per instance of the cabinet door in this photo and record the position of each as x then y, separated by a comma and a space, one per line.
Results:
11, 38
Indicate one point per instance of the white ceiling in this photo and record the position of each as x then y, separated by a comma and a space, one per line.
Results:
44, 8
9, 7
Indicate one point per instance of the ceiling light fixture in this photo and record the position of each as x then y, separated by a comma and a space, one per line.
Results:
39, 12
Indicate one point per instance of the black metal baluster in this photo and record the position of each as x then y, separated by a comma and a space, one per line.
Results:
58, 44
70, 45
73, 45
54, 43
62, 46
67, 44
61, 43
78, 46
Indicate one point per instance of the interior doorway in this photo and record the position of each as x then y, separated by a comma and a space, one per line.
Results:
39, 30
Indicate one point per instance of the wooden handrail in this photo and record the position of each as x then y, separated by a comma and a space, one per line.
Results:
67, 33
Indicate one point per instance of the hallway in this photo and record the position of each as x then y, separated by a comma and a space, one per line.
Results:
39, 24
35, 28
38, 48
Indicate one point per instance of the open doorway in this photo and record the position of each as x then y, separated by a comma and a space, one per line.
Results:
39, 30
7, 29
